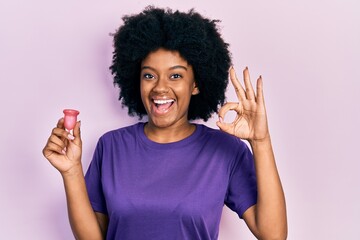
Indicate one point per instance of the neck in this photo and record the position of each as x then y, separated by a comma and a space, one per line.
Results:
168, 134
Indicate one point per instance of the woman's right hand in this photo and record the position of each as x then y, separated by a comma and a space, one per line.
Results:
63, 150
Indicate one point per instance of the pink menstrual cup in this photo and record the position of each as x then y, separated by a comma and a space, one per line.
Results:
70, 118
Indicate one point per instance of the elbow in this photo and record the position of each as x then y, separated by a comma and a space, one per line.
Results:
272, 232
274, 235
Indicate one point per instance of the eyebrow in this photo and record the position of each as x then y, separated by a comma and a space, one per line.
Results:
172, 68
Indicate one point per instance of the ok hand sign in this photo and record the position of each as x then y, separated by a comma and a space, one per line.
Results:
251, 121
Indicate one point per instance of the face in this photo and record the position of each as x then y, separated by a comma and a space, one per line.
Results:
166, 85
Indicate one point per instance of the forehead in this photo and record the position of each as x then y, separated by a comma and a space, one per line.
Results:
163, 58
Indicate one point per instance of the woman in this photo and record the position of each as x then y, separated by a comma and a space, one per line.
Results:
169, 178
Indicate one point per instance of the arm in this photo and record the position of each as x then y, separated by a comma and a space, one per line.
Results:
83, 220
103, 221
63, 151
266, 219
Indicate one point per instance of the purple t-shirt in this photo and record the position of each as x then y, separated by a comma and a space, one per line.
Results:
167, 191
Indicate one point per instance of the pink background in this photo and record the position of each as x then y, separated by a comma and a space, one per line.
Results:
56, 55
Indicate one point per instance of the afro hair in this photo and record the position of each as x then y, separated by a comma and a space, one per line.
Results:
196, 39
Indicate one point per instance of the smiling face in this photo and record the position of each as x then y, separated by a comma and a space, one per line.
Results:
166, 85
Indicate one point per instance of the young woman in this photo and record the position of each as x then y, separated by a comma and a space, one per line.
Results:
168, 178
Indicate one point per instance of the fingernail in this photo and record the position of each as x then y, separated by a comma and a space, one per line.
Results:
246, 68
71, 137
79, 124
63, 152
220, 120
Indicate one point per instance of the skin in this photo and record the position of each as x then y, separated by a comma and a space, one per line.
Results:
267, 219
165, 75
63, 151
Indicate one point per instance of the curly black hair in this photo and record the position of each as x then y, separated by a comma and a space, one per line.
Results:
196, 39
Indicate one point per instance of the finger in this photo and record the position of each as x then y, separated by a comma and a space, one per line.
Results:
230, 106
60, 123
225, 127
249, 91
56, 140
52, 148
62, 134
259, 91
240, 92
77, 134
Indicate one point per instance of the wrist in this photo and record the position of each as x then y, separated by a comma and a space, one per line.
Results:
74, 171
261, 143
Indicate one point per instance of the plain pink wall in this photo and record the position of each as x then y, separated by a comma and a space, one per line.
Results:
56, 55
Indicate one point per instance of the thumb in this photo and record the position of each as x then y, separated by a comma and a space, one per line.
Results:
225, 127
77, 134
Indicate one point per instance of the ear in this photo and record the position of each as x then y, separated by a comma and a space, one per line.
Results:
195, 90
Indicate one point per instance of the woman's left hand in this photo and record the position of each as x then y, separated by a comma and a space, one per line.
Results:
251, 121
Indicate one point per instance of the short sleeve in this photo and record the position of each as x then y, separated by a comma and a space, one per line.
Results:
93, 181
242, 188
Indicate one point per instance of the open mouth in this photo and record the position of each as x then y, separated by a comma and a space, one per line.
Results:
163, 105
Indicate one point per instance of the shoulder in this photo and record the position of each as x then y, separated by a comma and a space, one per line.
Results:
117, 140
229, 148
123, 132
221, 138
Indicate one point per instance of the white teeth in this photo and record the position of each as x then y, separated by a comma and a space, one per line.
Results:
159, 101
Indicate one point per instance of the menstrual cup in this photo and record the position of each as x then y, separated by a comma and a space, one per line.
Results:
70, 118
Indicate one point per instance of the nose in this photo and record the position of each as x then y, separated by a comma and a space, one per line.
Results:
161, 85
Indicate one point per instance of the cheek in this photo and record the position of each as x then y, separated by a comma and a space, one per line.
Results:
143, 92
185, 94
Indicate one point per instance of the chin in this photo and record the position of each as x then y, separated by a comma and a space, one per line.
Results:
161, 123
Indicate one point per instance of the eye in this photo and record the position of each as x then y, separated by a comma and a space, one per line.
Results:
175, 76
148, 76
